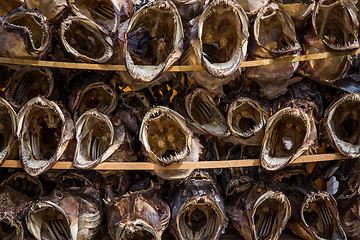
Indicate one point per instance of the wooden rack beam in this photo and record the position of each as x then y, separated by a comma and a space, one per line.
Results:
122, 68
185, 165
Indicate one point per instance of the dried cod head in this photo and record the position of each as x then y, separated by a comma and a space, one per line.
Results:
334, 28
246, 119
29, 83
251, 7
92, 94
219, 43
25, 184
8, 128
341, 122
97, 140
151, 43
273, 36
73, 213
12, 207
83, 40
49, 8
136, 102
105, 14
289, 133
24, 34
7, 6
136, 215
197, 209
189, 9
166, 139
299, 10
255, 211
44, 130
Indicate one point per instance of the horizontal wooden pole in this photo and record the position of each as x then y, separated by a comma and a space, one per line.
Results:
185, 165
110, 67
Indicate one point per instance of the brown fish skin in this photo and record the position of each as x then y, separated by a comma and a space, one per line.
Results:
25, 184
6, 7
25, 34
73, 213
50, 9
255, 211
190, 9
136, 215
340, 125
151, 42
273, 42
252, 7
8, 128
336, 33
39, 113
195, 201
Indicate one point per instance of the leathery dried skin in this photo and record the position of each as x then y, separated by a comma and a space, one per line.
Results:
299, 11
136, 215
246, 119
166, 139
198, 211
274, 36
25, 184
27, 84
251, 7
25, 34
289, 133
7, 6
49, 8
219, 43
44, 130
189, 9
341, 122
153, 41
84, 41
97, 139
8, 128
105, 14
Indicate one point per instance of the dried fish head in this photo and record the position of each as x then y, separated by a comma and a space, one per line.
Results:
27, 84
66, 214
25, 34
84, 41
274, 36
204, 114
257, 212
6, 7
198, 211
251, 7
246, 119
44, 130
136, 215
341, 122
72, 179
135, 101
50, 9
8, 128
289, 133
299, 11
97, 139
92, 95
105, 14
166, 139
153, 40
189, 9
25, 184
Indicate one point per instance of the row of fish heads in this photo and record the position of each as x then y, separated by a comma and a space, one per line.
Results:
218, 35
137, 205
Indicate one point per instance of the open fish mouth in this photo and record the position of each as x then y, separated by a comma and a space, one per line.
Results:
246, 120
153, 40
46, 220
200, 218
165, 136
270, 215
202, 110
287, 136
341, 122
335, 23
44, 130
95, 136
6, 7
7, 128
10, 228
84, 41
25, 184
34, 27
136, 230
222, 36
72, 179
99, 96
318, 214
105, 14
27, 84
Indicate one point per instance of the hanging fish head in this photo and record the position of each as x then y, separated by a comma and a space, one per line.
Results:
25, 184
8, 128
